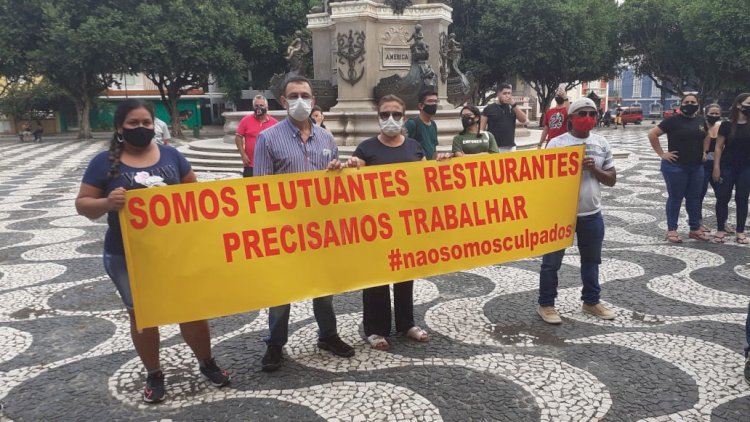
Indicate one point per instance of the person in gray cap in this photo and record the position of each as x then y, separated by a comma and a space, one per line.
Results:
598, 168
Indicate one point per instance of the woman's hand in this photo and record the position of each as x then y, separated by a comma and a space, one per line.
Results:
444, 156
336, 165
355, 162
116, 199
716, 175
669, 156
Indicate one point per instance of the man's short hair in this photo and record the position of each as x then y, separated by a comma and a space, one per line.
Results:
426, 93
297, 80
260, 97
503, 86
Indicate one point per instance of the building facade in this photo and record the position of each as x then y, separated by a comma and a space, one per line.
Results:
631, 90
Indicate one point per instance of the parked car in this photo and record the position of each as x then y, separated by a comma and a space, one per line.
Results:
670, 113
631, 115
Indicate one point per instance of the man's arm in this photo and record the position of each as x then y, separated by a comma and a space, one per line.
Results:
520, 115
483, 122
263, 160
239, 141
606, 177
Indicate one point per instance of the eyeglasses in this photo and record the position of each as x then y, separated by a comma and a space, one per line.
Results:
397, 115
586, 113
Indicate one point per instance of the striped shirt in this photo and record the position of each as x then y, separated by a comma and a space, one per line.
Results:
590, 196
280, 150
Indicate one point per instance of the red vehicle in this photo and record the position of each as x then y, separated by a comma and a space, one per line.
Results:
670, 113
631, 115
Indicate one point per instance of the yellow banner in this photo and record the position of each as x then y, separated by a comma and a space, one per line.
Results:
203, 250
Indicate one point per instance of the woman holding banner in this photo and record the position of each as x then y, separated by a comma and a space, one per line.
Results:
471, 140
133, 162
390, 146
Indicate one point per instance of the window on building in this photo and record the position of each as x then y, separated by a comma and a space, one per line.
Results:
617, 86
655, 90
637, 86
655, 109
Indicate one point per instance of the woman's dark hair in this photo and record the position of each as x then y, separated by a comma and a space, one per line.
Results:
690, 95
115, 145
475, 111
316, 108
710, 106
734, 113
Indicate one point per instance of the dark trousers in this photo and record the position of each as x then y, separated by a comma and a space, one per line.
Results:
590, 236
737, 177
247, 172
376, 303
708, 168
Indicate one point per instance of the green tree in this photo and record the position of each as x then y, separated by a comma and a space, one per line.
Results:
655, 43
75, 44
264, 49
23, 99
485, 69
722, 64
182, 43
551, 42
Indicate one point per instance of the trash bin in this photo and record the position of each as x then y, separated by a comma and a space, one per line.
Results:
196, 132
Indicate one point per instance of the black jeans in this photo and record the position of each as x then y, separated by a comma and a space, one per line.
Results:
376, 303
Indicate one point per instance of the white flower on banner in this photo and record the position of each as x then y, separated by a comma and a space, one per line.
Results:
147, 180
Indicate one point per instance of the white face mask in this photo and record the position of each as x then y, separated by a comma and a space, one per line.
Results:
299, 109
391, 127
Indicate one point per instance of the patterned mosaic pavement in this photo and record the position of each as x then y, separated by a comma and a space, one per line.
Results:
672, 354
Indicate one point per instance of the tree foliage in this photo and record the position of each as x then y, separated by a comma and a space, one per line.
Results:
75, 44
689, 46
551, 42
24, 99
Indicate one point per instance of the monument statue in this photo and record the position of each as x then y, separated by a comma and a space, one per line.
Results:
298, 57
459, 84
398, 6
296, 52
421, 76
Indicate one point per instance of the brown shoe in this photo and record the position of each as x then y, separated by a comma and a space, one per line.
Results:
549, 314
598, 310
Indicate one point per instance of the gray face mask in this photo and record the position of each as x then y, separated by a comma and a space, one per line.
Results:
299, 109
390, 126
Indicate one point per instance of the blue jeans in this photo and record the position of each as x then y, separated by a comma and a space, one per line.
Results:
590, 236
278, 321
708, 168
684, 181
737, 177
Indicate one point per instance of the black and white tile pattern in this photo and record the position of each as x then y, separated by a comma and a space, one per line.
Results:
674, 353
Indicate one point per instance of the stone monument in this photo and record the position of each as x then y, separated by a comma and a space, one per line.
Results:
363, 49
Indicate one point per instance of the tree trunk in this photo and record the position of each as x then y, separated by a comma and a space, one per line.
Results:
84, 121
175, 112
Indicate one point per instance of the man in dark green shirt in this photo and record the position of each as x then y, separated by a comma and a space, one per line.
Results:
422, 128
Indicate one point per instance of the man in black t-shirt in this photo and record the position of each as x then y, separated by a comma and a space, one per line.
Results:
500, 118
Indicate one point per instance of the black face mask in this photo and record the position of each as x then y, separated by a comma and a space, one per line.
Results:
559, 100
745, 110
430, 109
259, 111
138, 137
467, 121
712, 119
689, 109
